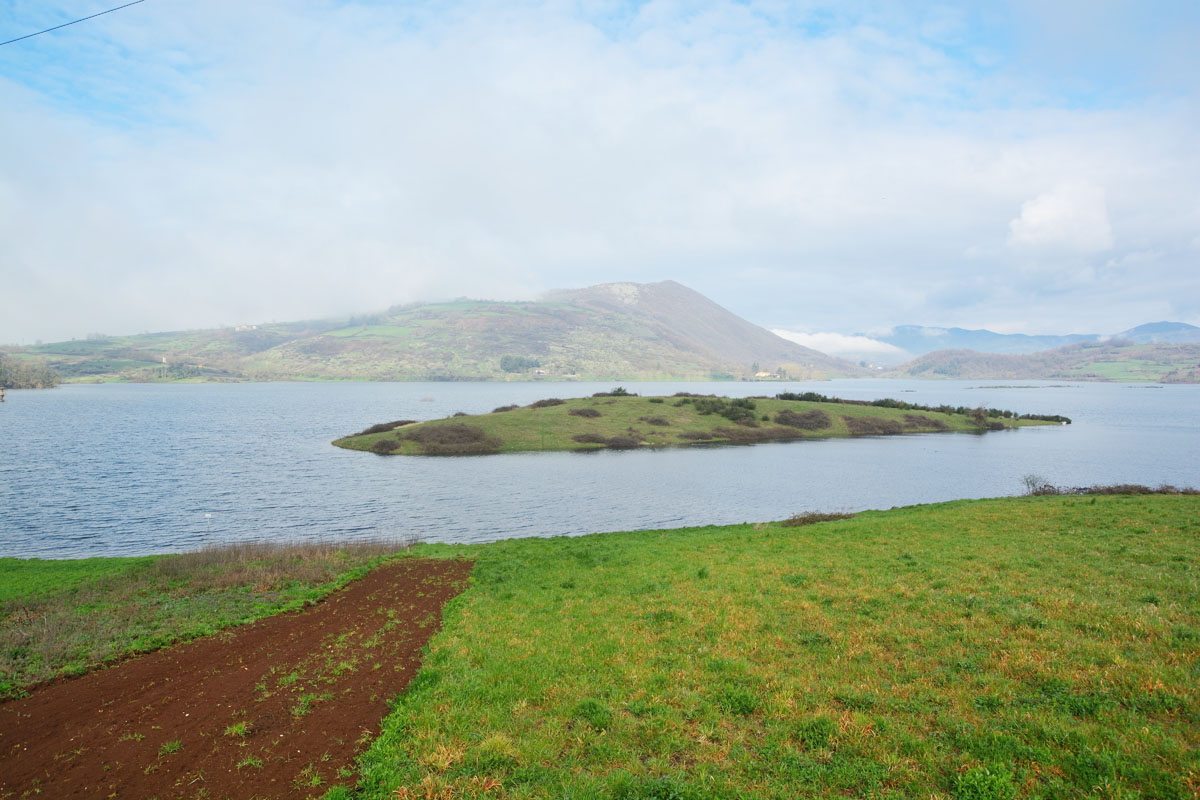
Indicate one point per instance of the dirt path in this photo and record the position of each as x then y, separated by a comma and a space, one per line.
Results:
269, 710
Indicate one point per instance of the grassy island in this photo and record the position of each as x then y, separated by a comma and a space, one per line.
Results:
621, 420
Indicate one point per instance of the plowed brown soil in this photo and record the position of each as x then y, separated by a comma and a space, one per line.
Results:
308, 690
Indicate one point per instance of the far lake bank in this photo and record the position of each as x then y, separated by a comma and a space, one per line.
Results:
123, 469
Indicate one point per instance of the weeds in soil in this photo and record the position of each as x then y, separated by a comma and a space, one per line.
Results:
173, 746
250, 761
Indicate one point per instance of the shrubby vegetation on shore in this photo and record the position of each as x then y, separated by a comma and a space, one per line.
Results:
18, 373
887, 402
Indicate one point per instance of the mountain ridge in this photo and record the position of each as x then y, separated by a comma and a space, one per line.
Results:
622, 331
920, 339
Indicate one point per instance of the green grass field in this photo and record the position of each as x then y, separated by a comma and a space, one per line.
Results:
1034, 647
591, 423
1028, 647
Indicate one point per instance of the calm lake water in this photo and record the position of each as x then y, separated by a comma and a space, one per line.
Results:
133, 469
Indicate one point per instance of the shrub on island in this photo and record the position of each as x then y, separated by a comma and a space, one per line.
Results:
454, 439
815, 420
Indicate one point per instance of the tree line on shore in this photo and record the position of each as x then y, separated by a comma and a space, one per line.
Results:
22, 374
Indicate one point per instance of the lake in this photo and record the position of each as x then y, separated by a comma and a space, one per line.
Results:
126, 469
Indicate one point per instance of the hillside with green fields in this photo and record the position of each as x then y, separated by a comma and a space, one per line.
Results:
626, 331
1113, 360
619, 420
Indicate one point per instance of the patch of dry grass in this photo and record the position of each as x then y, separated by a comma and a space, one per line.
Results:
157, 601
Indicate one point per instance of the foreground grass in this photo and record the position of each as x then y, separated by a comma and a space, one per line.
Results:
1029, 647
64, 617
591, 423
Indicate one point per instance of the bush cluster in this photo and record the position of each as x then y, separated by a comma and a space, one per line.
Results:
739, 410
502, 409
615, 442
1037, 487
384, 427
867, 426
745, 435
454, 439
385, 446
518, 363
19, 374
979, 414
617, 392
814, 420
549, 401
922, 422
655, 421
583, 412
812, 518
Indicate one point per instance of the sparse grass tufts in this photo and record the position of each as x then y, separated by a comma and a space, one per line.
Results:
238, 729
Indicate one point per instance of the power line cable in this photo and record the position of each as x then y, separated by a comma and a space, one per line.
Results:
72, 22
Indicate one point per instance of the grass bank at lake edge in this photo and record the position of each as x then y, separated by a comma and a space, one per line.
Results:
1025, 647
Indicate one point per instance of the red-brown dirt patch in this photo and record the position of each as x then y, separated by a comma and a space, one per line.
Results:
308, 689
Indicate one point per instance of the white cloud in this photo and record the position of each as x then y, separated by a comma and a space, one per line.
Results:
247, 162
839, 344
1071, 218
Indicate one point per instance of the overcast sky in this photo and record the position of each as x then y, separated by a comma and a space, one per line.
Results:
815, 167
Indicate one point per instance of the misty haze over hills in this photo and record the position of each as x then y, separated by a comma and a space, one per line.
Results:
906, 342
617, 331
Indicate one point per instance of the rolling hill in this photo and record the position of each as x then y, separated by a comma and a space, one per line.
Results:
619, 331
919, 339
1112, 360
